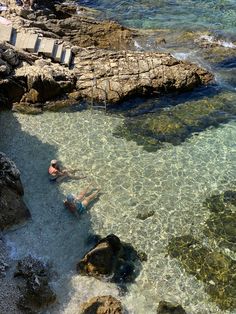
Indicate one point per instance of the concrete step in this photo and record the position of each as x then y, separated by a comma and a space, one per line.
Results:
66, 56
32, 43
47, 47
58, 53
5, 33
21, 40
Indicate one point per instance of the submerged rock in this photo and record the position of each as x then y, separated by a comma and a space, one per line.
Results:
221, 224
102, 305
215, 269
12, 208
145, 215
111, 258
169, 308
36, 292
175, 124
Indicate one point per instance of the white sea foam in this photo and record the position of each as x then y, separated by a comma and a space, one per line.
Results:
137, 45
223, 43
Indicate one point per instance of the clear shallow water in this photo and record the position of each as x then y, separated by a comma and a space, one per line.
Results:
173, 182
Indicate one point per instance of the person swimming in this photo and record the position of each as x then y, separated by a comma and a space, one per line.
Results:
78, 204
57, 174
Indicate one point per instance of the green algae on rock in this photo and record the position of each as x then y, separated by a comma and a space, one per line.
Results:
175, 124
215, 269
221, 224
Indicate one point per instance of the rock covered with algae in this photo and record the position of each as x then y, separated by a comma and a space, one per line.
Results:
175, 124
221, 224
215, 269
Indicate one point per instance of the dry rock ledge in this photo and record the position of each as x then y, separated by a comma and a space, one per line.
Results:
104, 68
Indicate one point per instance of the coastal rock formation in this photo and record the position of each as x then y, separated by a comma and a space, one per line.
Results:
12, 208
87, 32
104, 71
106, 76
111, 257
102, 76
36, 291
215, 269
102, 305
168, 308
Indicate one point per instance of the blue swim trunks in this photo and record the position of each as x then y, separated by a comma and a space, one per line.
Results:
52, 178
80, 207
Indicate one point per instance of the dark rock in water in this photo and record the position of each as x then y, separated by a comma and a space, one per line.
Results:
102, 259
36, 292
221, 224
175, 124
36, 295
222, 228
230, 197
30, 266
93, 239
13, 210
215, 269
169, 308
142, 256
146, 214
111, 257
102, 305
215, 203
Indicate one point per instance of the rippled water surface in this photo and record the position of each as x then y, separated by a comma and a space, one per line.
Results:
171, 181
174, 14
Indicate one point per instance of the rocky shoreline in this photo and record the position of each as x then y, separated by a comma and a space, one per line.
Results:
105, 69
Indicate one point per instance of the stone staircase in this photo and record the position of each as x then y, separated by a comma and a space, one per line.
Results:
34, 44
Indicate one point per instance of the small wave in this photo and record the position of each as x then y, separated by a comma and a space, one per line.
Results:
182, 55
137, 45
219, 42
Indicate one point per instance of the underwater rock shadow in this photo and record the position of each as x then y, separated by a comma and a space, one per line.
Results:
216, 270
138, 106
176, 124
46, 235
221, 224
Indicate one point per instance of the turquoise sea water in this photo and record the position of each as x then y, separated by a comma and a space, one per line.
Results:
174, 14
172, 180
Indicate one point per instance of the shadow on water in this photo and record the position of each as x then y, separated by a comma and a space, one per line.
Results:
175, 118
53, 235
138, 106
48, 235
